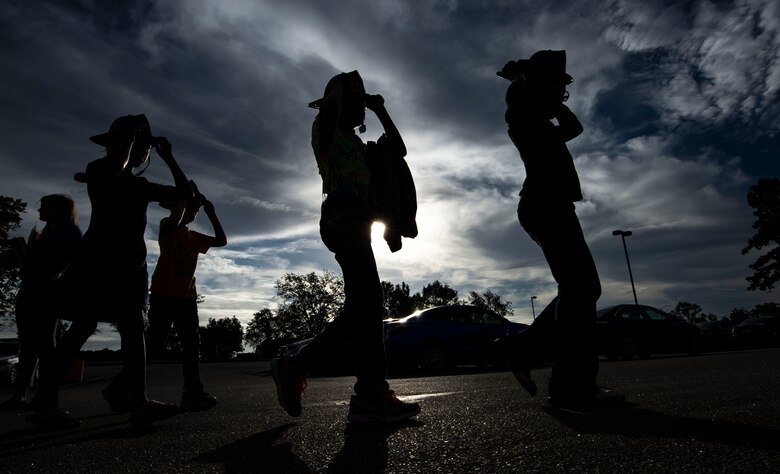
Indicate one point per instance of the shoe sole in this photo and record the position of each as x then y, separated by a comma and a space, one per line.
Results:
278, 383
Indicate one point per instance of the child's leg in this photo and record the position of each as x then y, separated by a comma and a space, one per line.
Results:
186, 323
161, 315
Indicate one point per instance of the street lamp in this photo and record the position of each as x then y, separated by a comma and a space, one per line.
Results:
533, 311
623, 234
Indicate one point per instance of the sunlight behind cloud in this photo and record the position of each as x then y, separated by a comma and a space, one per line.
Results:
377, 232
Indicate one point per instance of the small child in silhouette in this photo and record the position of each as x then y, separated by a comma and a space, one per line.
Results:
345, 227
45, 258
173, 298
539, 126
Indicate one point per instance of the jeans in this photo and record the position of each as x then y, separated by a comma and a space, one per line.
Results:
133, 375
36, 325
182, 314
345, 228
565, 329
119, 298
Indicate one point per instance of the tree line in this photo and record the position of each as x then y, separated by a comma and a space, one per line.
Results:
693, 313
307, 302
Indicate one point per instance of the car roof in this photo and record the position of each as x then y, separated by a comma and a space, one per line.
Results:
614, 308
452, 307
629, 305
760, 319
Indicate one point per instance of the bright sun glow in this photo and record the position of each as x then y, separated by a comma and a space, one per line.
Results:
377, 232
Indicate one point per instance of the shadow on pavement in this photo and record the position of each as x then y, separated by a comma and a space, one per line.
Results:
365, 450
257, 453
365, 447
34, 438
634, 422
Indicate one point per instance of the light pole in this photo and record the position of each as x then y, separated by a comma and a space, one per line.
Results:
533, 311
623, 234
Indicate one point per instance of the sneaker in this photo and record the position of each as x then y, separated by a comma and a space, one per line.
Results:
152, 411
118, 401
290, 384
517, 363
53, 418
194, 401
601, 397
385, 408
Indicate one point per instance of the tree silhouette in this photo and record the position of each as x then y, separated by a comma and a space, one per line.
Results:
11, 211
491, 301
436, 294
737, 315
307, 302
260, 328
766, 309
764, 198
266, 333
398, 301
687, 311
221, 338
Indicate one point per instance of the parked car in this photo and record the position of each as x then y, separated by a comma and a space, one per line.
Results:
434, 339
626, 331
8, 365
292, 348
9, 350
761, 331
716, 335
444, 336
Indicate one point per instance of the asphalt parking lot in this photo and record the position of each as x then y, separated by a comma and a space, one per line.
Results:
710, 413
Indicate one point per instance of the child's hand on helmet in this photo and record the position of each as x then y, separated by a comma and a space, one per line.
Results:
374, 102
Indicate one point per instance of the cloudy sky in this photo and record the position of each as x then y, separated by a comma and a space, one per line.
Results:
679, 101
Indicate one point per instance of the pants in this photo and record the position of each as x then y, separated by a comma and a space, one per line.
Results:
182, 314
565, 329
119, 298
133, 376
345, 228
36, 326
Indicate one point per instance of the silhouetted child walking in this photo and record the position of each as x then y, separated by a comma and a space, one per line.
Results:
173, 299
107, 280
348, 212
46, 257
567, 325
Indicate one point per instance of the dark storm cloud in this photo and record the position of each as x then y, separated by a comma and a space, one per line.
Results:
226, 114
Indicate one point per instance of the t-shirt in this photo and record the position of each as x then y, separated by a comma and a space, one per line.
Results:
114, 241
174, 274
109, 269
346, 169
49, 255
548, 164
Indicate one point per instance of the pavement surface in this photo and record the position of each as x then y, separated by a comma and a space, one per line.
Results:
715, 412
